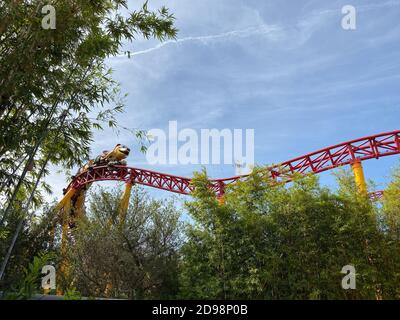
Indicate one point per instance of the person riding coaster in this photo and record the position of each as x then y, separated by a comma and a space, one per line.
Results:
110, 158
115, 157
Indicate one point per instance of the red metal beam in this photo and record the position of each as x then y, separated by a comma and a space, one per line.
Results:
377, 195
380, 145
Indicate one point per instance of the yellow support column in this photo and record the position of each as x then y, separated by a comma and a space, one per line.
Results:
125, 202
79, 204
65, 200
64, 240
221, 193
359, 177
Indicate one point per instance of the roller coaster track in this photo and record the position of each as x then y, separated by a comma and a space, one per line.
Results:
371, 147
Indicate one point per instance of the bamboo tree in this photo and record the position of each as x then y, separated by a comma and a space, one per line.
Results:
289, 241
30, 54
22, 221
43, 73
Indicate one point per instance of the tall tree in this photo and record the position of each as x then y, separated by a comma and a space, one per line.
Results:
52, 79
137, 259
55, 88
285, 242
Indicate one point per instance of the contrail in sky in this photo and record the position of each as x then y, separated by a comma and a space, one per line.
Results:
261, 29
271, 30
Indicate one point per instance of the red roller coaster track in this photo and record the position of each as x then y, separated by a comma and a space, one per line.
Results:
380, 145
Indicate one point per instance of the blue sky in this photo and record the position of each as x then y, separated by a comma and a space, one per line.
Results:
284, 68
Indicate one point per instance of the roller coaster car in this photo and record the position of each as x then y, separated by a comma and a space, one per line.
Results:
115, 157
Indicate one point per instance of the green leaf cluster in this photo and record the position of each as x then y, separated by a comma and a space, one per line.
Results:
269, 241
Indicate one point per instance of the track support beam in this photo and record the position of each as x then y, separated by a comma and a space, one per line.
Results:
359, 177
64, 241
125, 202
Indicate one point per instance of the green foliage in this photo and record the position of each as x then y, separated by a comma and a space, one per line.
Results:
390, 221
72, 294
30, 283
33, 240
136, 258
272, 241
3, 234
391, 205
52, 82
55, 90
265, 241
